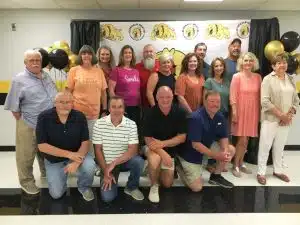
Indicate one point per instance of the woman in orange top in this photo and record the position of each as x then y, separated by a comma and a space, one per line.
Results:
88, 85
189, 85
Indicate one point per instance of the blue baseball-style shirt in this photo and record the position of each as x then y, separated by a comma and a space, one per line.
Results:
203, 129
30, 96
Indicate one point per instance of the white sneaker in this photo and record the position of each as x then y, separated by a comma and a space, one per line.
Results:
153, 194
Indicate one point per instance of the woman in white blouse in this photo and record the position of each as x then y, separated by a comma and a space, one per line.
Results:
279, 102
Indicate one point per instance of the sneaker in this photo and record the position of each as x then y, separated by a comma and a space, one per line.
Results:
217, 179
88, 194
135, 194
236, 172
153, 194
244, 169
30, 189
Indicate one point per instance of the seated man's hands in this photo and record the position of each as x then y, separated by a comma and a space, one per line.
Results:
72, 167
156, 144
108, 178
75, 157
222, 156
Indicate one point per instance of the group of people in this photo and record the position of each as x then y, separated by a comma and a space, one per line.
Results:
112, 118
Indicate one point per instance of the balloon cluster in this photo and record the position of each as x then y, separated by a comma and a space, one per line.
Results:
58, 55
288, 43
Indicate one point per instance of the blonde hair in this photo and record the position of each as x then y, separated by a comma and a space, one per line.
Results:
165, 57
240, 60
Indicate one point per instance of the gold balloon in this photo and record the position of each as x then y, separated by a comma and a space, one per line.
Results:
72, 60
297, 56
273, 48
62, 45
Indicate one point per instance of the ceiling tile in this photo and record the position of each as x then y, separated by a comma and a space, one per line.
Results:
119, 4
78, 4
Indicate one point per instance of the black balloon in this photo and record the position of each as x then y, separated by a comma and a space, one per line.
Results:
290, 41
292, 64
58, 58
45, 56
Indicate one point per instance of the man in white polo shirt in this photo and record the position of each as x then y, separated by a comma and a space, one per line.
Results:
116, 146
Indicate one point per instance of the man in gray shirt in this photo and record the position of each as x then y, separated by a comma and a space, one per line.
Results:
32, 91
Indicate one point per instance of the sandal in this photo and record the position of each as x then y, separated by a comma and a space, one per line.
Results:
282, 177
261, 179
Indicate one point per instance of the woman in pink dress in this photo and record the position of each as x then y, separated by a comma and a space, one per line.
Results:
245, 104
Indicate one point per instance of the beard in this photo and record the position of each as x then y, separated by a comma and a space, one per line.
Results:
149, 63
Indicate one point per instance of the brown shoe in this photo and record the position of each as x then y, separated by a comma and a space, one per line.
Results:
261, 179
282, 177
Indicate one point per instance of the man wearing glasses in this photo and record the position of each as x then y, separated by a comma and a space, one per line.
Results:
63, 138
32, 91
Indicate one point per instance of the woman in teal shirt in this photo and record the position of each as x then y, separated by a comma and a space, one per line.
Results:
216, 83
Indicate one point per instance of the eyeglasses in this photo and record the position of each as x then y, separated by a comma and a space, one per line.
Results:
34, 60
64, 102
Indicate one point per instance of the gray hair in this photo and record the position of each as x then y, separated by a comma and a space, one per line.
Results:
241, 59
86, 49
31, 52
63, 93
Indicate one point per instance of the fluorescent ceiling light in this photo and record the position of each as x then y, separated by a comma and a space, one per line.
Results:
203, 0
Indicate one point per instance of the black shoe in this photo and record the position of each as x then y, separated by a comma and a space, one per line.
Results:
217, 179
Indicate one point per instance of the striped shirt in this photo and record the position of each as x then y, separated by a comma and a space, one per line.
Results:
114, 140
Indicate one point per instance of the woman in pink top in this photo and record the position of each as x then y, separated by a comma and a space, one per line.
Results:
245, 104
124, 81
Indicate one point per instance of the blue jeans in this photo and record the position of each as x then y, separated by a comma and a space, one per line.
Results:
135, 165
57, 178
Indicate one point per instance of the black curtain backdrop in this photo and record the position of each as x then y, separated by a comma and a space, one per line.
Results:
84, 32
262, 31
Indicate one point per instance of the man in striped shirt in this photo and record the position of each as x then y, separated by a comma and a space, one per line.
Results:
116, 146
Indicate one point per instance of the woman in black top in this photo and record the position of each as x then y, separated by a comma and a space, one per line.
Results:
164, 77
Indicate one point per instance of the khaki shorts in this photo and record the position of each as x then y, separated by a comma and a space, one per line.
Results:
145, 149
190, 172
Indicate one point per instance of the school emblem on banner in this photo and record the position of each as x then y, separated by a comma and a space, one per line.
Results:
136, 32
111, 32
163, 31
190, 31
218, 31
243, 29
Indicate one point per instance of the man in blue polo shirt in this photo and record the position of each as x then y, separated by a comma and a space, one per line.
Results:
207, 137
63, 138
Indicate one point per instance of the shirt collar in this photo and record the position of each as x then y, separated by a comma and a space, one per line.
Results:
34, 75
108, 121
70, 116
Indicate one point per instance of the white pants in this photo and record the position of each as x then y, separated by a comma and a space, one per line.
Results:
91, 124
271, 134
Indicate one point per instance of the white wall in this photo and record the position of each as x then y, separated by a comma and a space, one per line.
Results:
39, 28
